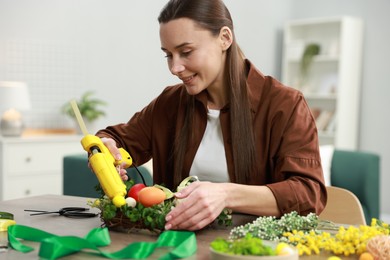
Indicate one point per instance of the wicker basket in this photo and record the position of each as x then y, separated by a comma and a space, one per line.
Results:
121, 223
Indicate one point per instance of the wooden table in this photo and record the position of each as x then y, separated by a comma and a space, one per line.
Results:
63, 226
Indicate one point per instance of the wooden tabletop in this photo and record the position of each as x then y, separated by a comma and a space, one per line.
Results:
63, 226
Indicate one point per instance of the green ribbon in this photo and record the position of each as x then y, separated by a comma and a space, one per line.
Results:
181, 244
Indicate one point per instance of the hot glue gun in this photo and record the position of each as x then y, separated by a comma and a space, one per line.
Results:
104, 164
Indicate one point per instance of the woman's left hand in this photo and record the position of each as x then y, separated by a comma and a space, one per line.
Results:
201, 203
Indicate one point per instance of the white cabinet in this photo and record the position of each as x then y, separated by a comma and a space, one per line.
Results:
332, 84
32, 166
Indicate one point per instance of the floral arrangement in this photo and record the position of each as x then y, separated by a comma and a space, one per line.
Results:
347, 241
144, 212
271, 228
311, 235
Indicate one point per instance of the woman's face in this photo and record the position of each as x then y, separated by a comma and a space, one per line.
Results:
194, 55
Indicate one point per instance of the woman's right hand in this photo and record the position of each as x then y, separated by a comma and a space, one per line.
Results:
111, 145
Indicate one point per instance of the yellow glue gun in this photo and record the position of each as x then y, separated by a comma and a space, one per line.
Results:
103, 164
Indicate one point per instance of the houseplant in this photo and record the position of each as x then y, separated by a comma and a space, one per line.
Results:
90, 108
310, 51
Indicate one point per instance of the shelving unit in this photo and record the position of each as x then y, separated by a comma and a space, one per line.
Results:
332, 84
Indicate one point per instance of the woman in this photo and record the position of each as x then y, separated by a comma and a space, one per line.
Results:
251, 141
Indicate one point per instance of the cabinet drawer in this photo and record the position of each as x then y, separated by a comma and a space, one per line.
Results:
19, 187
36, 158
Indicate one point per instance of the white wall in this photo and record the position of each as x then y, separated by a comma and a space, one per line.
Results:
113, 48
375, 92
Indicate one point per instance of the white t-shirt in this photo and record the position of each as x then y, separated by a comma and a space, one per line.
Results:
210, 160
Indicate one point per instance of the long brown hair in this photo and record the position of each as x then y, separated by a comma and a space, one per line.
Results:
213, 15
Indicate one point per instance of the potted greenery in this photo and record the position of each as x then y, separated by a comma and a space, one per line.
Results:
90, 108
310, 51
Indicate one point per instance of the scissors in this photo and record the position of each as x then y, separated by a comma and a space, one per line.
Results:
71, 212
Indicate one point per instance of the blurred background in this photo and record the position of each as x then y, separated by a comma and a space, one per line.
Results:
64, 48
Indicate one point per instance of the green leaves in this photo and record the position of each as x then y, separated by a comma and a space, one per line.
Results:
225, 218
89, 107
109, 211
310, 51
248, 245
220, 245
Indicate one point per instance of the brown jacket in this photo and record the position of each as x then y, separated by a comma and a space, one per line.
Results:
285, 133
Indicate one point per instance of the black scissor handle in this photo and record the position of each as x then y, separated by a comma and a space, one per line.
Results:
76, 212
72, 209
